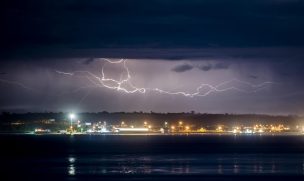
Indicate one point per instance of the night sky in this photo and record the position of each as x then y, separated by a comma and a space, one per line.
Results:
257, 46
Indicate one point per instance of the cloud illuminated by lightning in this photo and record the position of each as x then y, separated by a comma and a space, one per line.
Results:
125, 84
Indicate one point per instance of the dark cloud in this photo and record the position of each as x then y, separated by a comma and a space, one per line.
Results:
205, 67
88, 61
253, 54
182, 68
214, 66
32, 28
221, 65
288, 69
253, 76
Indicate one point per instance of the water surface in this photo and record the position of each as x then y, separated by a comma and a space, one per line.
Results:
166, 157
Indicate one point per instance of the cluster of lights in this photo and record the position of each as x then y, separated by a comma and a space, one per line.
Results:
179, 127
260, 129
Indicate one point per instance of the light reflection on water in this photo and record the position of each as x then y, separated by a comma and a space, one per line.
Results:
71, 167
211, 164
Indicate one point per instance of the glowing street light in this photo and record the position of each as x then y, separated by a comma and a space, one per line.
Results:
219, 128
172, 128
166, 124
72, 116
187, 128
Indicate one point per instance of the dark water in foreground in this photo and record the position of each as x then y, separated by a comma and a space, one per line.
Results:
127, 157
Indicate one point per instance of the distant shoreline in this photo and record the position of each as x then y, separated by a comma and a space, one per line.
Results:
159, 134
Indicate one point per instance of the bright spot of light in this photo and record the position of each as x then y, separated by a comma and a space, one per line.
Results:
71, 159
72, 116
71, 168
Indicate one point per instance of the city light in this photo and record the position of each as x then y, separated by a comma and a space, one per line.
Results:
78, 126
187, 128
133, 129
202, 130
248, 131
219, 128
72, 116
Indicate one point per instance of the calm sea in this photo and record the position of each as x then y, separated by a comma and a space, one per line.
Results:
152, 157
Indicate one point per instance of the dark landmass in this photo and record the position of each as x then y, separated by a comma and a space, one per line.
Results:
28, 121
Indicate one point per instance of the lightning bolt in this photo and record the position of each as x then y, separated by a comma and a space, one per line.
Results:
125, 84
16, 83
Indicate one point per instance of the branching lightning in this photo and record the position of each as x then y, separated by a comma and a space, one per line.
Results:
125, 84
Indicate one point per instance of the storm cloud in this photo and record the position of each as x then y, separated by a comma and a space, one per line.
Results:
171, 45
42, 29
